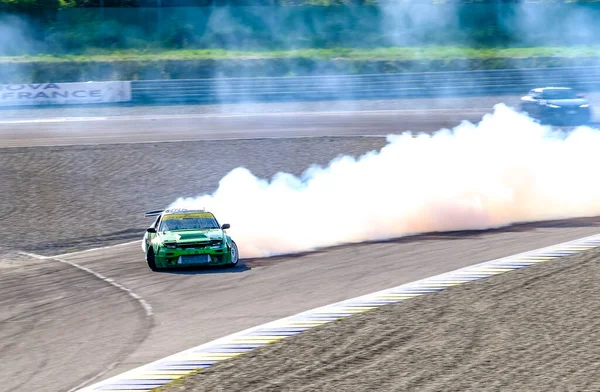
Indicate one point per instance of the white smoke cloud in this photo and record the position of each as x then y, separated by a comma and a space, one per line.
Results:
16, 36
503, 170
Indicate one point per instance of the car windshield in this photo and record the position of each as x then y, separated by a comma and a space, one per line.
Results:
192, 222
559, 94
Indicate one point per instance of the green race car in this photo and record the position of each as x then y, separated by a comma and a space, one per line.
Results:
187, 238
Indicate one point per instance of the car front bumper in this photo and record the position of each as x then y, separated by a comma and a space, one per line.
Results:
181, 258
565, 115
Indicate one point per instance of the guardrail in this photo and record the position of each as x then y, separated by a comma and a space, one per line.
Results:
379, 86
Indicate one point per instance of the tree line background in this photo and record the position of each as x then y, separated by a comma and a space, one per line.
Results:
37, 6
81, 26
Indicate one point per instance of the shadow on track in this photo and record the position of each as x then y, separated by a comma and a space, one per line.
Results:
241, 267
132, 234
435, 236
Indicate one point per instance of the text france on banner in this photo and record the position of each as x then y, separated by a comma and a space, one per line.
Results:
64, 93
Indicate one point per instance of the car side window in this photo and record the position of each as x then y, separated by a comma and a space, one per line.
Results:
532, 95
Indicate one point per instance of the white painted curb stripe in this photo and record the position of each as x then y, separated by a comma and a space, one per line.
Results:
95, 249
143, 117
165, 370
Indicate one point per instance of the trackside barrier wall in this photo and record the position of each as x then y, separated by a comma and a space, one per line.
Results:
35, 94
348, 87
303, 88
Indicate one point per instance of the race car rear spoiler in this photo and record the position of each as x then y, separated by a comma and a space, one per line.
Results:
153, 213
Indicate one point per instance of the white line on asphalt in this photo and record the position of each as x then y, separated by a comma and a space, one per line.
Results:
240, 115
53, 120
94, 249
92, 379
145, 305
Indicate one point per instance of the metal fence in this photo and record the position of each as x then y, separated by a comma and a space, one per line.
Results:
380, 86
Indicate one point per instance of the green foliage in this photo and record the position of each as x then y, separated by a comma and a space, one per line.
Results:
68, 3
131, 43
191, 64
431, 53
37, 6
76, 30
34, 7
49, 6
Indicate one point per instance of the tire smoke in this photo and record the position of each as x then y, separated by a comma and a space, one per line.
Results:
504, 170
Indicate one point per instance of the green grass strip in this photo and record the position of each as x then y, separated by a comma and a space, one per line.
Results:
389, 54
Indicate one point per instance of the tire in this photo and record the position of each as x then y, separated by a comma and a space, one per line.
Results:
235, 255
151, 260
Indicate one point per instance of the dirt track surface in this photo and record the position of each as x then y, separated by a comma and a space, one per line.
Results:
61, 199
535, 329
61, 327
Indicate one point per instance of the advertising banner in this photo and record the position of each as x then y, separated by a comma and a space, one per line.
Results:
64, 93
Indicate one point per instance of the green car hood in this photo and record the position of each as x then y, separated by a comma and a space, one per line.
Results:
184, 236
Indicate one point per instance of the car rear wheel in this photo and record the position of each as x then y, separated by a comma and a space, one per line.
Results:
151, 260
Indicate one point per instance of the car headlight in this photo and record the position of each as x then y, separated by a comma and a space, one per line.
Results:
216, 243
585, 105
551, 105
171, 246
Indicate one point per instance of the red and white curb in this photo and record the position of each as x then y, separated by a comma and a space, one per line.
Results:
165, 370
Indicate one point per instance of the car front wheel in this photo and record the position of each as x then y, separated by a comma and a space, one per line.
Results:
235, 256
151, 260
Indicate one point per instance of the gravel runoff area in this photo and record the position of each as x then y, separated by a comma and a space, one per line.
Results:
62, 199
535, 329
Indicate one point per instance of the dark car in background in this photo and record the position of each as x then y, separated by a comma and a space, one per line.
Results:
557, 106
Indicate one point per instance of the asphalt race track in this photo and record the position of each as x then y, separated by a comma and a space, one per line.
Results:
534, 329
206, 127
60, 326
194, 308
